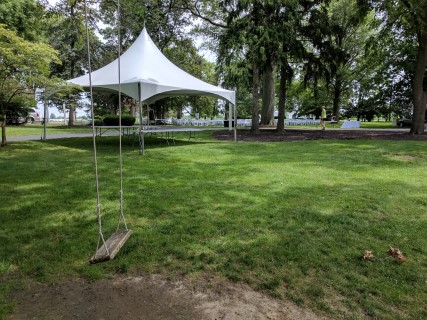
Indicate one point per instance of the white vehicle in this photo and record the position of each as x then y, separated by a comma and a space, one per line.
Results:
33, 116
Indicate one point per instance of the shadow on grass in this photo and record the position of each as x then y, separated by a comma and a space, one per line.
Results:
104, 143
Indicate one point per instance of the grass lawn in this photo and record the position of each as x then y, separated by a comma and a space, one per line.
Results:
292, 219
378, 125
367, 125
37, 129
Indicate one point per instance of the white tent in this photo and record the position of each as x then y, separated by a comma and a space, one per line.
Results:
147, 75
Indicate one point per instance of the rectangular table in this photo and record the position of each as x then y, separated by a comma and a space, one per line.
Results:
126, 130
169, 133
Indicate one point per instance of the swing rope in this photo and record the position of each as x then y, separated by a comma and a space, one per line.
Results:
112, 245
98, 202
121, 216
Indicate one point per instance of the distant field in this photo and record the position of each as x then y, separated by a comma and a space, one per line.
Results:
37, 129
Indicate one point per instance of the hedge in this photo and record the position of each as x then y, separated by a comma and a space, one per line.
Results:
127, 120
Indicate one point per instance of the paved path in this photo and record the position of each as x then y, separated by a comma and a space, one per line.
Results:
57, 136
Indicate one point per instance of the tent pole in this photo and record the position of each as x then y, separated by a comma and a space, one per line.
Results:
139, 105
44, 114
141, 133
235, 122
140, 113
230, 117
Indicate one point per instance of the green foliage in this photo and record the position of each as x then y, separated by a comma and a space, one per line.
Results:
24, 17
19, 106
339, 36
167, 22
99, 122
410, 16
24, 66
67, 34
127, 120
23, 60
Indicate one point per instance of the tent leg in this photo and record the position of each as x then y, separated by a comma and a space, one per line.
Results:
140, 114
141, 141
230, 117
235, 123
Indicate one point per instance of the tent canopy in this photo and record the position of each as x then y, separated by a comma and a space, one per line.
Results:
147, 76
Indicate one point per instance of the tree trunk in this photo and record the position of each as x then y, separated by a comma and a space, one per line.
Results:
419, 95
73, 41
337, 98
132, 108
71, 115
3, 130
268, 93
179, 113
255, 99
282, 98
214, 112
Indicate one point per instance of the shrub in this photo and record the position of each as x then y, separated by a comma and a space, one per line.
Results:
127, 120
98, 122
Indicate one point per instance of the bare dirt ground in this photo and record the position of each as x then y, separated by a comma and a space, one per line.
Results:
270, 135
150, 297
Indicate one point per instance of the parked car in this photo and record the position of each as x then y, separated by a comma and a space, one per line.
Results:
19, 117
33, 116
404, 122
408, 122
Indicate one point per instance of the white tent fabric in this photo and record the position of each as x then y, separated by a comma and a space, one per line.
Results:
147, 76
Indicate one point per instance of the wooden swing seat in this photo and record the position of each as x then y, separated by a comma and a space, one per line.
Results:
114, 244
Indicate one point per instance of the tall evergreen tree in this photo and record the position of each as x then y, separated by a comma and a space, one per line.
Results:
66, 33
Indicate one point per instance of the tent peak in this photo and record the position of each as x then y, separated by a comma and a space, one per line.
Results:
147, 74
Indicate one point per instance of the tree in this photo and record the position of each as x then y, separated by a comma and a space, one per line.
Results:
66, 33
242, 38
23, 66
414, 18
389, 61
410, 16
338, 32
25, 17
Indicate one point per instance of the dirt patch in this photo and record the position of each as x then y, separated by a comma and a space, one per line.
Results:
270, 135
150, 297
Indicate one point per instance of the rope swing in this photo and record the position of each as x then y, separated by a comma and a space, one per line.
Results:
110, 247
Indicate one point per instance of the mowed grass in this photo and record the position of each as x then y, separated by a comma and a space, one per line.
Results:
378, 125
290, 219
36, 129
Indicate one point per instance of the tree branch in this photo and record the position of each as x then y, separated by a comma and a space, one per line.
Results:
14, 94
196, 12
407, 4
